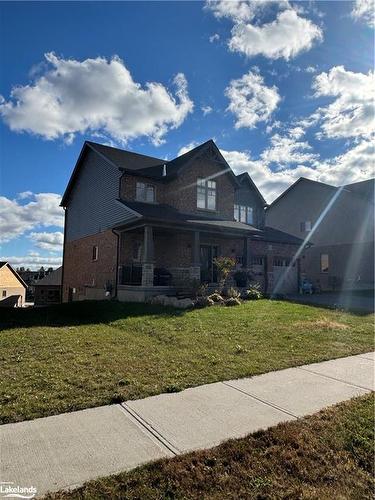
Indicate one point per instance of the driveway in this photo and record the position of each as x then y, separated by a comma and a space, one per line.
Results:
355, 302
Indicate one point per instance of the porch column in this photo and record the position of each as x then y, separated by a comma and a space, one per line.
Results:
246, 253
148, 257
195, 268
269, 271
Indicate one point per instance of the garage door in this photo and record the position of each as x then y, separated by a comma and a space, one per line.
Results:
285, 276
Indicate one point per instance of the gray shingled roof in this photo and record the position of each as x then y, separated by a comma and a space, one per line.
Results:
161, 212
52, 279
126, 159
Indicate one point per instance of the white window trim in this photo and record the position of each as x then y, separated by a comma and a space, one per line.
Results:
321, 267
304, 228
206, 190
146, 186
237, 209
95, 253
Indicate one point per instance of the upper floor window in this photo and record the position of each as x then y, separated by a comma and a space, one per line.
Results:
206, 194
145, 192
306, 226
95, 253
243, 213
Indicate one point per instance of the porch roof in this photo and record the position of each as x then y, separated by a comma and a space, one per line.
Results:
166, 213
161, 213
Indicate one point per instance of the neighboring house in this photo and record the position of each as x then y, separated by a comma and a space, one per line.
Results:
136, 226
340, 225
32, 277
12, 287
48, 289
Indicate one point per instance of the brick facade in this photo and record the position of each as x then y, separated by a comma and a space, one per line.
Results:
90, 277
181, 193
172, 249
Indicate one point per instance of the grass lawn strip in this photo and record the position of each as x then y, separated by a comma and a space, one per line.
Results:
81, 355
327, 455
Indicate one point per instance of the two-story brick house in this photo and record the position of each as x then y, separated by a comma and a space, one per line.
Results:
136, 226
339, 222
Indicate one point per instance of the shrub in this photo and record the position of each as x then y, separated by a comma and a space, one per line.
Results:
203, 301
252, 293
224, 266
233, 301
216, 297
232, 293
202, 290
241, 278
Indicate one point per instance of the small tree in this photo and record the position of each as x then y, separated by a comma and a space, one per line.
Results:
224, 266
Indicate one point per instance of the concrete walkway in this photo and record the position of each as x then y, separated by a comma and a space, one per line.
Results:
66, 450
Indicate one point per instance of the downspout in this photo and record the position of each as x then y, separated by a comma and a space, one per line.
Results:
117, 260
63, 261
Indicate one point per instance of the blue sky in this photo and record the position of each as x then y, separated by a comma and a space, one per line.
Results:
284, 88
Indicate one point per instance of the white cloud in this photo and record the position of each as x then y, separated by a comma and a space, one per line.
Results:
356, 164
233, 9
296, 132
214, 38
286, 36
250, 100
48, 241
17, 218
285, 150
187, 148
206, 110
351, 114
95, 95
24, 195
273, 125
311, 69
33, 261
363, 10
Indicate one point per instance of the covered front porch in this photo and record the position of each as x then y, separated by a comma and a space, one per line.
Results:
156, 258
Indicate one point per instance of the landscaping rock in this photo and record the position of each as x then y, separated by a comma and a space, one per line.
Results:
185, 303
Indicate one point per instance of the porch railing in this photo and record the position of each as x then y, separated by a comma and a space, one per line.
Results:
132, 275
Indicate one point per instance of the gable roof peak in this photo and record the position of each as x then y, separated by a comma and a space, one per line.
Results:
245, 176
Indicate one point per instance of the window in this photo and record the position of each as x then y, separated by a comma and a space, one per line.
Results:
95, 253
4, 293
243, 213
306, 226
206, 194
145, 192
324, 263
249, 216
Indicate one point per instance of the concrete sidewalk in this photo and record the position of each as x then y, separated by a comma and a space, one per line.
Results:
66, 450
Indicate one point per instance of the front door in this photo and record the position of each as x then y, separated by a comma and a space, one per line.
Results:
208, 268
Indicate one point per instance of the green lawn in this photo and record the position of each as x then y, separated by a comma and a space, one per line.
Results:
86, 354
325, 456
